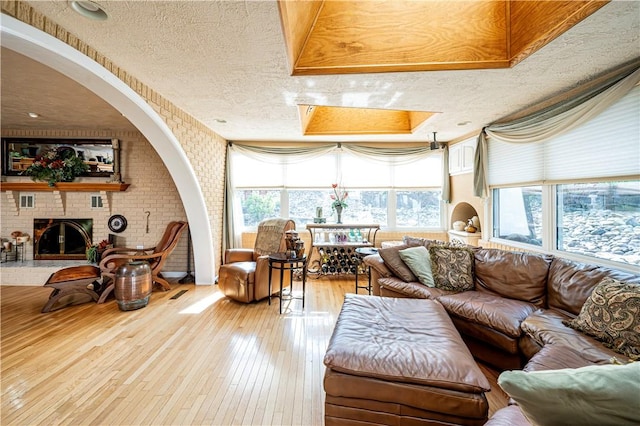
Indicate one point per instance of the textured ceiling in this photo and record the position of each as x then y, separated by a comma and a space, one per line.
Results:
226, 60
28, 86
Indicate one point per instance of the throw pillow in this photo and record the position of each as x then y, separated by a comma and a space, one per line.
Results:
611, 314
395, 264
419, 241
592, 395
419, 261
452, 268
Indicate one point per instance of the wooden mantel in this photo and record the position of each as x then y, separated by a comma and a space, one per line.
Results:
64, 186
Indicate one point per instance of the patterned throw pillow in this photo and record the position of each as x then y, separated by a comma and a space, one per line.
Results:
612, 315
452, 268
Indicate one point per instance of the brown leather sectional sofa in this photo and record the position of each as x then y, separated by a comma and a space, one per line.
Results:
513, 319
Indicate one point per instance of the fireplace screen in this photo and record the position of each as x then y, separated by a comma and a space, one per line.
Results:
62, 238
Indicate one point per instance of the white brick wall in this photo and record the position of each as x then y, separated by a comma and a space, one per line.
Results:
152, 189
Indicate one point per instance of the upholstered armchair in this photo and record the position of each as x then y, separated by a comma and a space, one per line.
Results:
244, 274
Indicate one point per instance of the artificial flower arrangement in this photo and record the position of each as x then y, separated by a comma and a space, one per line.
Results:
338, 196
56, 166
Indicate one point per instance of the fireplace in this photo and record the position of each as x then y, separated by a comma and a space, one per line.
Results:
61, 238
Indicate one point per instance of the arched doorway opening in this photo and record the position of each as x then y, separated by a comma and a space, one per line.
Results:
42, 47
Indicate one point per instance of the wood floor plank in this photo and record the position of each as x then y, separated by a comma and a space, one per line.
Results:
197, 359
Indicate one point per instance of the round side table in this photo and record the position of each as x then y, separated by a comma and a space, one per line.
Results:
282, 262
362, 252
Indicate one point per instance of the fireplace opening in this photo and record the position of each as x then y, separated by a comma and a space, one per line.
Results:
62, 238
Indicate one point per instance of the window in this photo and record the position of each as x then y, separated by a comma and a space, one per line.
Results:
397, 195
257, 205
600, 219
576, 194
364, 206
367, 206
517, 214
303, 204
418, 209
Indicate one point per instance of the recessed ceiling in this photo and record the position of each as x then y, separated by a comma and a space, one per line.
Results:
326, 120
333, 37
227, 61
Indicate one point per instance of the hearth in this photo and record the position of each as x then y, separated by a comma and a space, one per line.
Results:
61, 238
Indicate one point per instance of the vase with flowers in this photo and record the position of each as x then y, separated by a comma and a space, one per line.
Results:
339, 196
58, 165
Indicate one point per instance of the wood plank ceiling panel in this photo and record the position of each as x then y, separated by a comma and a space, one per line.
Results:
334, 37
357, 37
324, 120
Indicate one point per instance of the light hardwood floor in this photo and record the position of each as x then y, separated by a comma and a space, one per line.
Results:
198, 359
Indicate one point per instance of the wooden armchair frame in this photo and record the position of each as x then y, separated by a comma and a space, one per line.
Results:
156, 256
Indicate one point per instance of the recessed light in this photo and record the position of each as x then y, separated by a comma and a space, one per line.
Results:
219, 120
33, 115
464, 123
89, 9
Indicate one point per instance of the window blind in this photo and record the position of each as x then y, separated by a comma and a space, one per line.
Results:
607, 146
426, 172
359, 172
510, 163
346, 169
248, 172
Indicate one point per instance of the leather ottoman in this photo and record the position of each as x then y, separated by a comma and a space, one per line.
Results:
400, 361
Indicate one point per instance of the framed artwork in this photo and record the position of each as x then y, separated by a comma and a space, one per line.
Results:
19, 153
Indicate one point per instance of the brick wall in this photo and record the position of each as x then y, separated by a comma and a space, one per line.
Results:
152, 189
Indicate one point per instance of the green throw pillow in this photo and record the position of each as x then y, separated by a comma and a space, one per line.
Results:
419, 261
452, 268
611, 314
593, 395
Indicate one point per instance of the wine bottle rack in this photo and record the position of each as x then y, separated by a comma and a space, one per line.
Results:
334, 260
333, 247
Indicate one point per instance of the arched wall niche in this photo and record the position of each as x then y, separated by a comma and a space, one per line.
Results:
463, 211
